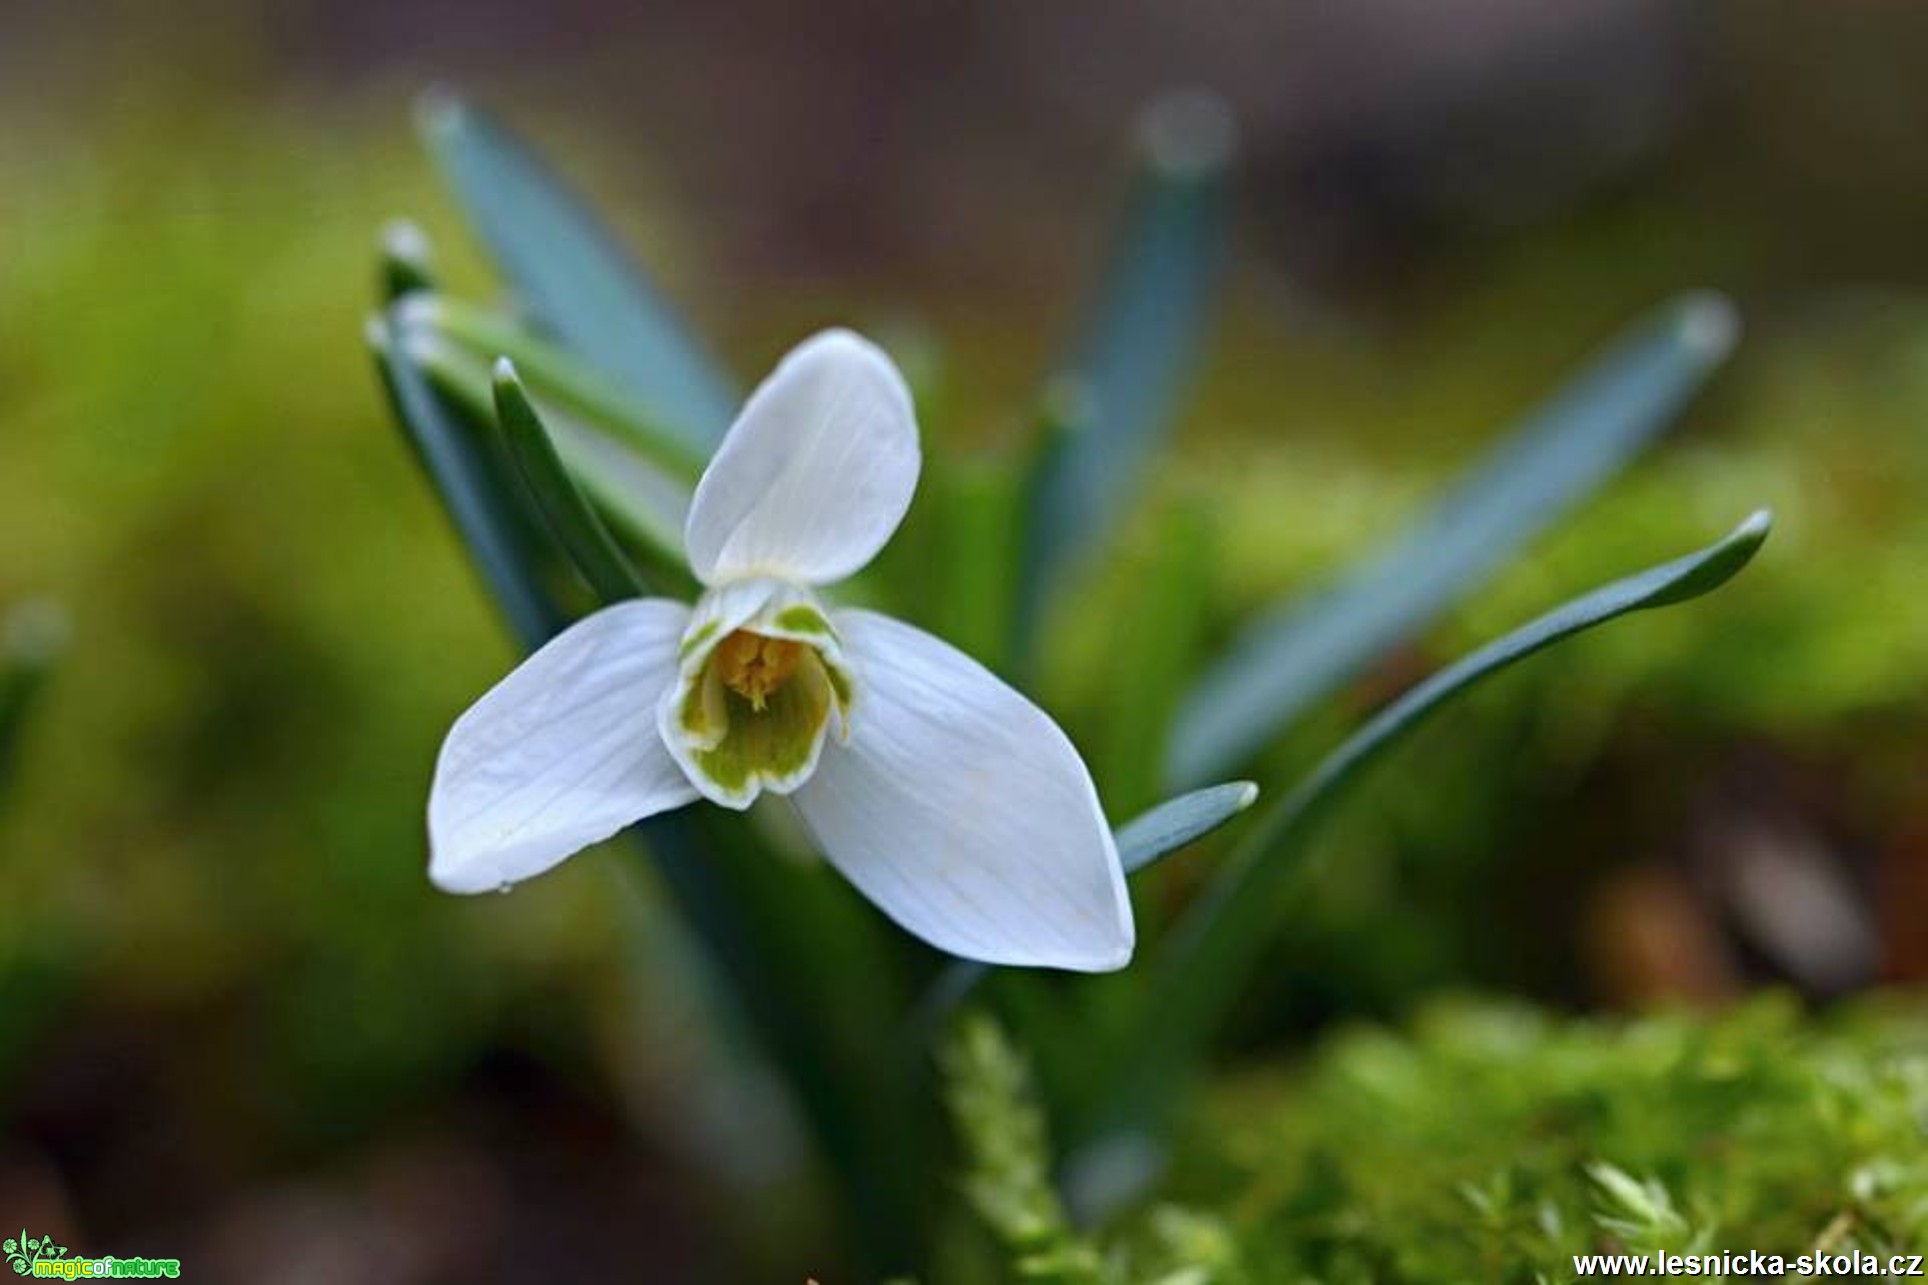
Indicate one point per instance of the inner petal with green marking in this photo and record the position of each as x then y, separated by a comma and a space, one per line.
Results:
755, 715
761, 677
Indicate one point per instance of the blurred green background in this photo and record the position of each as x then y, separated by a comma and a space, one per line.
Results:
236, 1022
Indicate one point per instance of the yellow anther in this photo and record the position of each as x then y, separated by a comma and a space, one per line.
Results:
753, 666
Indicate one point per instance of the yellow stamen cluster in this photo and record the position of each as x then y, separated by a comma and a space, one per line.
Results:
753, 666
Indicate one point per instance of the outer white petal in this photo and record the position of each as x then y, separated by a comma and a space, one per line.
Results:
964, 812
562, 753
816, 472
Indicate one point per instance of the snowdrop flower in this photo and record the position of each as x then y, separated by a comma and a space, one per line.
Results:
948, 799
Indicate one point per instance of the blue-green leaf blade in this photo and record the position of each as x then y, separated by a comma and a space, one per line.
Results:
571, 276
556, 374
1224, 931
647, 503
1140, 343
1176, 822
1676, 581
1562, 453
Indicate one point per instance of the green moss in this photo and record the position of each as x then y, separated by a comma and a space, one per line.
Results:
1494, 1143
1009, 1156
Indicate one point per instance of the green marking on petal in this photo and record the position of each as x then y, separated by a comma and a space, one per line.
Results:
705, 713
839, 685
801, 618
697, 637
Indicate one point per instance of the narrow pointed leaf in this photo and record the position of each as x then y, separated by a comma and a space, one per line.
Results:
645, 503
572, 278
557, 375
1141, 338
1141, 841
505, 544
574, 524
1176, 822
1224, 932
1565, 451
405, 265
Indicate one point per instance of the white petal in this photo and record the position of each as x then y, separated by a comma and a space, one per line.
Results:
562, 753
816, 472
963, 811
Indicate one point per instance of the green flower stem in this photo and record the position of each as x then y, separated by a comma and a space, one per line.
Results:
798, 962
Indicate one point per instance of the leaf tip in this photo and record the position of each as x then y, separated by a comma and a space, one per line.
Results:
1754, 527
418, 309
1715, 565
1708, 324
1247, 794
403, 238
439, 112
406, 261
512, 405
1188, 134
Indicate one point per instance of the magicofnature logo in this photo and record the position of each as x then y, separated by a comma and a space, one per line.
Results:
23, 1253
41, 1257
